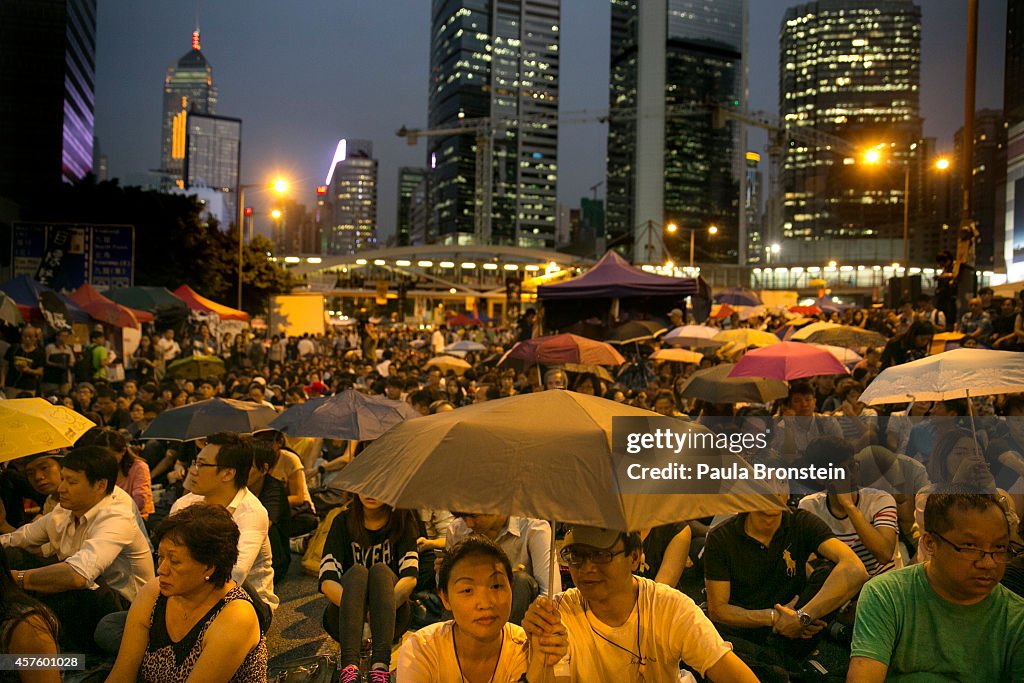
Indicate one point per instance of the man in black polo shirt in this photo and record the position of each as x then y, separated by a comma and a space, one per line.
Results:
757, 583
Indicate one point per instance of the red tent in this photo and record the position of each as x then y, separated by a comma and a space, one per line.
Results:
103, 309
196, 302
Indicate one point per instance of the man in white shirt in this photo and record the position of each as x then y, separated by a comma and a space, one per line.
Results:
101, 557
219, 475
167, 347
527, 542
623, 628
438, 341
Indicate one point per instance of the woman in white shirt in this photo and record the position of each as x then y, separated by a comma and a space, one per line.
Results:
475, 583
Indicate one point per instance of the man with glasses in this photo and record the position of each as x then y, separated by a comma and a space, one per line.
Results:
527, 542
926, 621
623, 628
219, 475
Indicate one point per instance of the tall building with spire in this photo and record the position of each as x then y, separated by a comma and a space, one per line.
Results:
187, 87
496, 60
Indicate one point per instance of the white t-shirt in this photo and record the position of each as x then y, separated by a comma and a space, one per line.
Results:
428, 656
671, 628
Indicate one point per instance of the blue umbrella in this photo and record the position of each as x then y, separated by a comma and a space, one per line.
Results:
26, 292
348, 415
738, 296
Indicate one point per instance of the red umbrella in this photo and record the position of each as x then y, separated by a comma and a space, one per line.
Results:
562, 348
805, 310
787, 360
103, 309
462, 320
722, 311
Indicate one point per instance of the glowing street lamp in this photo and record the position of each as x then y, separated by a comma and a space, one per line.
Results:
276, 214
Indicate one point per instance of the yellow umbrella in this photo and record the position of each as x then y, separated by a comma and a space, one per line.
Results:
747, 337
34, 425
677, 356
446, 363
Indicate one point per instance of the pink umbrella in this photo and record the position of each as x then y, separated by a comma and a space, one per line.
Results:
787, 360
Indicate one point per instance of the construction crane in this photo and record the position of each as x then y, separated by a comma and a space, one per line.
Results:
485, 129
778, 137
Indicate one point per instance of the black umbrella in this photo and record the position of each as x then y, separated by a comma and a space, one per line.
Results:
208, 417
715, 386
635, 331
348, 415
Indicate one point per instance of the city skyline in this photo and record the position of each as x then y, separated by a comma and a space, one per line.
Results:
339, 78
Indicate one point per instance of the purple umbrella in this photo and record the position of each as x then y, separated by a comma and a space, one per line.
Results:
786, 361
738, 296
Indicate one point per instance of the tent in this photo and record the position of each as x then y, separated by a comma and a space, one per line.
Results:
201, 304
615, 284
147, 299
26, 293
103, 309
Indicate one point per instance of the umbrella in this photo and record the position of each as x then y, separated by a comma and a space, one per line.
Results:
446, 363
196, 367
746, 337
348, 415
748, 312
483, 458
34, 425
787, 360
462, 320
805, 310
954, 374
9, 312
715, 386
677, 356
739, 296
147, 298
694, 336
828, 305
561, 348
842, 354
465, 346
208, 417
595, 370
839, 335
722, 311
635, 331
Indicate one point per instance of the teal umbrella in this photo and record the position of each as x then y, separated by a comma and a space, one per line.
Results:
146, 298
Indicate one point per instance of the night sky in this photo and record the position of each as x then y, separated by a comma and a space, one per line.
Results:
301, 75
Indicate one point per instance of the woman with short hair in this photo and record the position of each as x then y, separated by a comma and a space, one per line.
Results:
192, 622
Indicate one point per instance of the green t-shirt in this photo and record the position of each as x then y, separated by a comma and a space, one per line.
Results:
903, 623
99, 354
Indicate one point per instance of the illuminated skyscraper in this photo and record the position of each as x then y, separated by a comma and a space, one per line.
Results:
213, 151
187, 87
850, 69
667, 162
1013, 75
409, 180
47, 74
351, 208
495, 59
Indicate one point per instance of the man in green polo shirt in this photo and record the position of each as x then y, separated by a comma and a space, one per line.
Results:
948, 619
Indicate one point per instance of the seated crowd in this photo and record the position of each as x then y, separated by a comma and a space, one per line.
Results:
164, 559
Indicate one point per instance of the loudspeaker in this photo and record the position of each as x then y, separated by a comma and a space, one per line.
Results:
906, 288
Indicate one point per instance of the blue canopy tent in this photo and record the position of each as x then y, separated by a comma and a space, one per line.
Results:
27, 294
615, 289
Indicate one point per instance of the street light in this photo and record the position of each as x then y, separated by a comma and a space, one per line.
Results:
672, 228
873, 157
280, 186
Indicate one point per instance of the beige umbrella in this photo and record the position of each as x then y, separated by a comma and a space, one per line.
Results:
34, 425
747, 337
547, 455
446, 363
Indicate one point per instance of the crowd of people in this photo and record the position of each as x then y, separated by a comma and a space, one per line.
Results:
163, 556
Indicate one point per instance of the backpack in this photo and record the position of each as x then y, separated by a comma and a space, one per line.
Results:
84, 367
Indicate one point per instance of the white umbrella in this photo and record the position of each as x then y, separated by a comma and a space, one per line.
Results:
805, 332
464, 346
961, 373
696, 336
843, 355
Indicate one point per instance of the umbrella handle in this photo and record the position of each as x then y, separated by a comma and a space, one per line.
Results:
552, 563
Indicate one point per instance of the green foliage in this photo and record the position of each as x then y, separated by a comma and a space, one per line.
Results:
174, 245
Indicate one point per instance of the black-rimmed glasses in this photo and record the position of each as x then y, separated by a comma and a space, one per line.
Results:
977, 554
574, 557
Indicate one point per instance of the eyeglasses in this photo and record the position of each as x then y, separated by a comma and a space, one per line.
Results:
199, 463
977, 554
575, 557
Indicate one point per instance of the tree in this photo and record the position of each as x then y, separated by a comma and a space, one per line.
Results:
174, 244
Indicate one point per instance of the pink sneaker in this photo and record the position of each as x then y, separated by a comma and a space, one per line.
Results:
350, 674
380, 676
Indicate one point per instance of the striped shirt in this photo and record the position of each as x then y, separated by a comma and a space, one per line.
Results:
878, 507
341, 551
